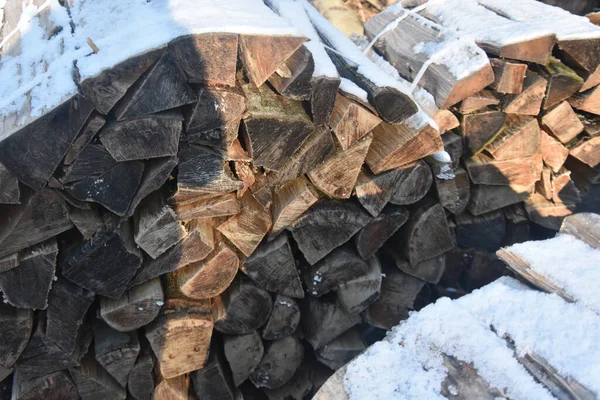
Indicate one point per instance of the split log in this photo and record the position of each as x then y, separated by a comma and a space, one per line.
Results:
94, 383
350, 121
588, 101
87, 222
280, 362
480, 129
243, 353
454, 194
583, 226
430, 270
529, 101
563, 82
57, 385
135, 308
177, 388
413, 184
245, 307
292, 78
564, 191
562, 122
283, 320
484, 231
520, 137
272, 266
337, 175
290, 202
214, 120
323, 98
370, 238
324, 320
210, 277
297, 388
93, 160
588, 153
214, 381
115, 351
156, 173
246, 174
15, 328
341, 350
27, 285
521, 172
487, 198
374, 191
478, 101
357, 294
554, 154
140, 383
9, 262
11, 215
545, 213
9, 187
544, 185
208, 206
508, 76
445, 120
327, 225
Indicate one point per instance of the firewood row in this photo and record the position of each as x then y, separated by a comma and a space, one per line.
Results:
237, 216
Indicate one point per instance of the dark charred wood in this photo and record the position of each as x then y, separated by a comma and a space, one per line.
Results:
89, 130
322, 99
341, 350
9, 187
140, 383
94, 383
115, 351
57, 385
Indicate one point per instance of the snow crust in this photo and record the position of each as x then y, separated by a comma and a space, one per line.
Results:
352, 88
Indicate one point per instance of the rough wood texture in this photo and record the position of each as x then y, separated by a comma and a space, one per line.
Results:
290, 202
413, 184
140, 383
208, 207
430, 270
9, 187
521, 172
486, 198
57, 385
563, 82
213, 382
283, 320
370, 238
478, 101
177, 388
243, 353
454, 194
508, 76
297, 388
272, 267
94, 383
588, 153
562, 122
87, 222
15, 328
545, 213
564, 191
483, 231
341, 350
374, 191
480, 129
156, 173
544, 185
446, 120
357, 294
529, 101
520, 137
350, 121
293, 77
323, 97
323, 320
583, 226
115, 351
93, 160
465, 380
588, 101
280, 362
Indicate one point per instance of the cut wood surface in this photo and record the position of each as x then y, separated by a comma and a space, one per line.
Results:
479, 129
357, 294
478, 101
281, 360
370, 238
244, 353
350, 121
284, 318
554, 154
140, 383
293, 77
508, 76
562, 122
520, 137
529, 101
115, 351
413, 184
291, 201
323, 320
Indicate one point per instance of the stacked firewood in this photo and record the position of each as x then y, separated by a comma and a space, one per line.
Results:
235, 214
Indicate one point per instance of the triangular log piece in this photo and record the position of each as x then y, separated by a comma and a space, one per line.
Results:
323, 97
140, 383
350, 121
9, 187
177, 388
291, 201
292, 78
445, 120
27, 285
413, 184
114, 189
204, 170
517, 225
106, 263
262, 55
15, 328
529, 101
115, 351
246, 229
214, 381
562, 122
67, 307
425, 234
357, 294
156, 228
508, 76
323, 320
9, 262
478, 101
374, 191
341, 350
144, 137
484, 231
487, 198
588, 101
94, 383
337, 267
214, 120
520, 138
243, 353
87, 222
582, 173
544, 185
337, 175
177, 352
93, 160
33, 226
394, 146
107, 88
271, 115
370, 238
137, 307
480, 129
563, 82
583, 226
210, 277
156, 173
454, 194
580, 53
160, 88
208, 206
57, 385
564, 191
588, 153
591, 80
430, 270
89, 130
280, 362
235, 152
272, 267
545, 213
33, 153
521, 172
244, 307
283, 320
300, 386
327, 225
195, 246
209, 59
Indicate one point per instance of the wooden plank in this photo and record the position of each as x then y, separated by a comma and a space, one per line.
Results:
280, 362
583, 226
243, 353
350, 121
529, 101
292, 78
478, 101
357, 294
15, 327
480, 129
370, 238
562, 122
554, 154
115, 351
290, 202
508, 76
520, 137
284, 318
94, 383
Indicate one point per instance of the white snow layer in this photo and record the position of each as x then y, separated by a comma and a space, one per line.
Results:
352, 88
409, 365
577, 271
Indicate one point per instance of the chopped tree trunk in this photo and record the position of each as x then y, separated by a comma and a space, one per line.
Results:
323, 98
374, 191
545, 213
588, 153
156, 173
293, 77
562, 122
350, 121
115, 351
283, 320
588, 101
521, 172
324, 320
480, 129
291, 201
341, 350
478, 101
213, 382
508, 76
521, 137
280, 362
87, 222
486, 198
243, 353
413, 184
140, 383
94, 123
94, 383
544, 185
563, 82
517, 225
484, 231
564, 191
454, 194
93, 160
297, 388
57, 385
529, 101
357, 294
15, 329
370, 238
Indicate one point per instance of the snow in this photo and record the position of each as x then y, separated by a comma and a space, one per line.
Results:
353, 89
442, 156
285, 303
577, 270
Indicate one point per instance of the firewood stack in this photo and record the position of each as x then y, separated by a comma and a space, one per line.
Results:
240, 213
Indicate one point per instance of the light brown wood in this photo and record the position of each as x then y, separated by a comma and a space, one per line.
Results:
446, 120
588, 101
520, 137
564, 191
374, 191
521, 172
177, 388
583, 226
529, 101
544, 185
480, 129
588, 153
291, 201
508, 76
350, 121
207, 206
478, 101
562, 122
545, 213
554, 154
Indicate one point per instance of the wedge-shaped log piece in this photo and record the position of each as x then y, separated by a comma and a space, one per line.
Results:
177, 388
160, 88
269, 116
545, 212
280, 362
87, 222
454, 193
517, 225
283, 320
246, 229
293, 77
211, 382
156, 173
478, 101
94, 383
300, 386
395, 146
91, 127
208, 206
214, 120
209, 59
57, 385
588, 153
15, 328
562, 122
323, 97
33, 153
350, 121
479, 129
272, 267
544, 185
27, 285
204, 169
521, 137
291, 201
483, 231
210, 277
453, 145
357, 294
336, 176
487, 198
115, 351
140, 383
374, 191
370, 238
136, 308
563, 82
508, 76
145, 137
521, 172
9, 187
243, 353
564, 191
327, 225
445, 120
244, 307
323, 320
430, 270
413, 184
106, 263
529, 101
93, 160
588, 101
341, 350
583, 226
